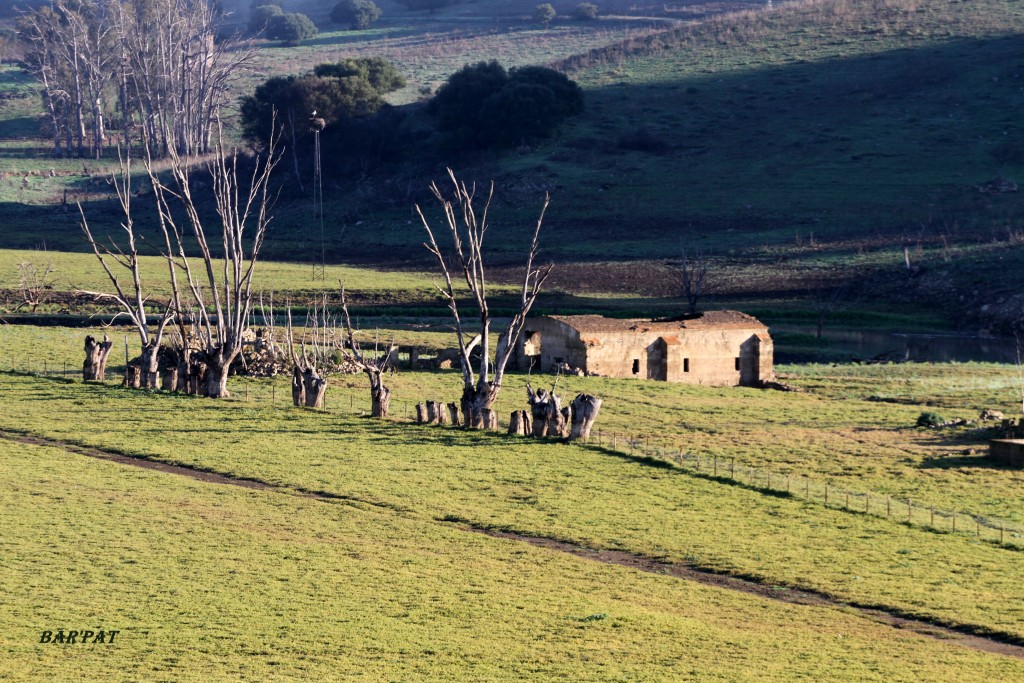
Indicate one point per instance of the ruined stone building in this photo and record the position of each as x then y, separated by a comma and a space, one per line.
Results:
716, 348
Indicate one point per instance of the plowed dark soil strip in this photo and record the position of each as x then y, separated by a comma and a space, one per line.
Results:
617, 557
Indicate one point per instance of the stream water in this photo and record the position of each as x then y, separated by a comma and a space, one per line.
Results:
894, 346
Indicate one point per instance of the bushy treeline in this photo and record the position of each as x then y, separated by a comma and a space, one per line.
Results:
482, 106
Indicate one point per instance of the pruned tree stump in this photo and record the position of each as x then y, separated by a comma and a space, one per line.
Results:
381, 401
421, 413
94, 369
170, 379
453, 413
584, 414
133, 377
520, 423
549, 420
308, 388
433, 414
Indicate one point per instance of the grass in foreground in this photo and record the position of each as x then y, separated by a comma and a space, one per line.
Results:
580, 494
210, 582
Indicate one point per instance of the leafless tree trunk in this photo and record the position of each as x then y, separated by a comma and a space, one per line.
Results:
373, 367
96, 352
309, 368
173, 66
693, 272
520, 423
467, 230
546, 411
584, 409
130, 298
219, 285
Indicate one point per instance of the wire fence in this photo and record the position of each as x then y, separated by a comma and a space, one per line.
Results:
353, 397
814, 489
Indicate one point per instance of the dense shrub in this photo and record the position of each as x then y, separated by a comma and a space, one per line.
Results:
930, 419
260, 17
295, 98
291, 29
586, 10
483, 105
358, 14
379, 72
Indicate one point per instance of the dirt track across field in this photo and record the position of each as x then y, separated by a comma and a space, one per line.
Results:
961, 636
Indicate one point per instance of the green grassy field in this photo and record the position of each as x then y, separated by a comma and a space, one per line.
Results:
854, 429
210, 582
590, 496
819, 142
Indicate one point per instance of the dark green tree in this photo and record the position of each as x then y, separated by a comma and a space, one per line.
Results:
586, 11
260, 17
482, 105
340, 102
381, 74
291, 28
456, 106
358, 14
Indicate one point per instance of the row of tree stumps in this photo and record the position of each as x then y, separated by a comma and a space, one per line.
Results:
546, 417
186, 372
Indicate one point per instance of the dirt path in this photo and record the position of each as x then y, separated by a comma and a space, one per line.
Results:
990, 644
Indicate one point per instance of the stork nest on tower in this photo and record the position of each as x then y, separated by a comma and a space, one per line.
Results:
316, 124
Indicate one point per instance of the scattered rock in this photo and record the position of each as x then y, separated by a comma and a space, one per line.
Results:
988, 415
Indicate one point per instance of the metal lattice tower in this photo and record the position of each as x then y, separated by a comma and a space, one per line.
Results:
320, 260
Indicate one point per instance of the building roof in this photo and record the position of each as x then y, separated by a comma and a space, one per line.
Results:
731, 320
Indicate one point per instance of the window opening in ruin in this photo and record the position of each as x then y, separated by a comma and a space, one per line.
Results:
636, 366
686, 365
737, 362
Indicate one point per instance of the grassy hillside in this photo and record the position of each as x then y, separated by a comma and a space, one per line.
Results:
798, 147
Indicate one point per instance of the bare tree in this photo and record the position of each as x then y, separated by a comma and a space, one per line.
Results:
828, 300
130, 297
467, 230
218, 286
693, 272
374, 366
35, 282
310, 367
